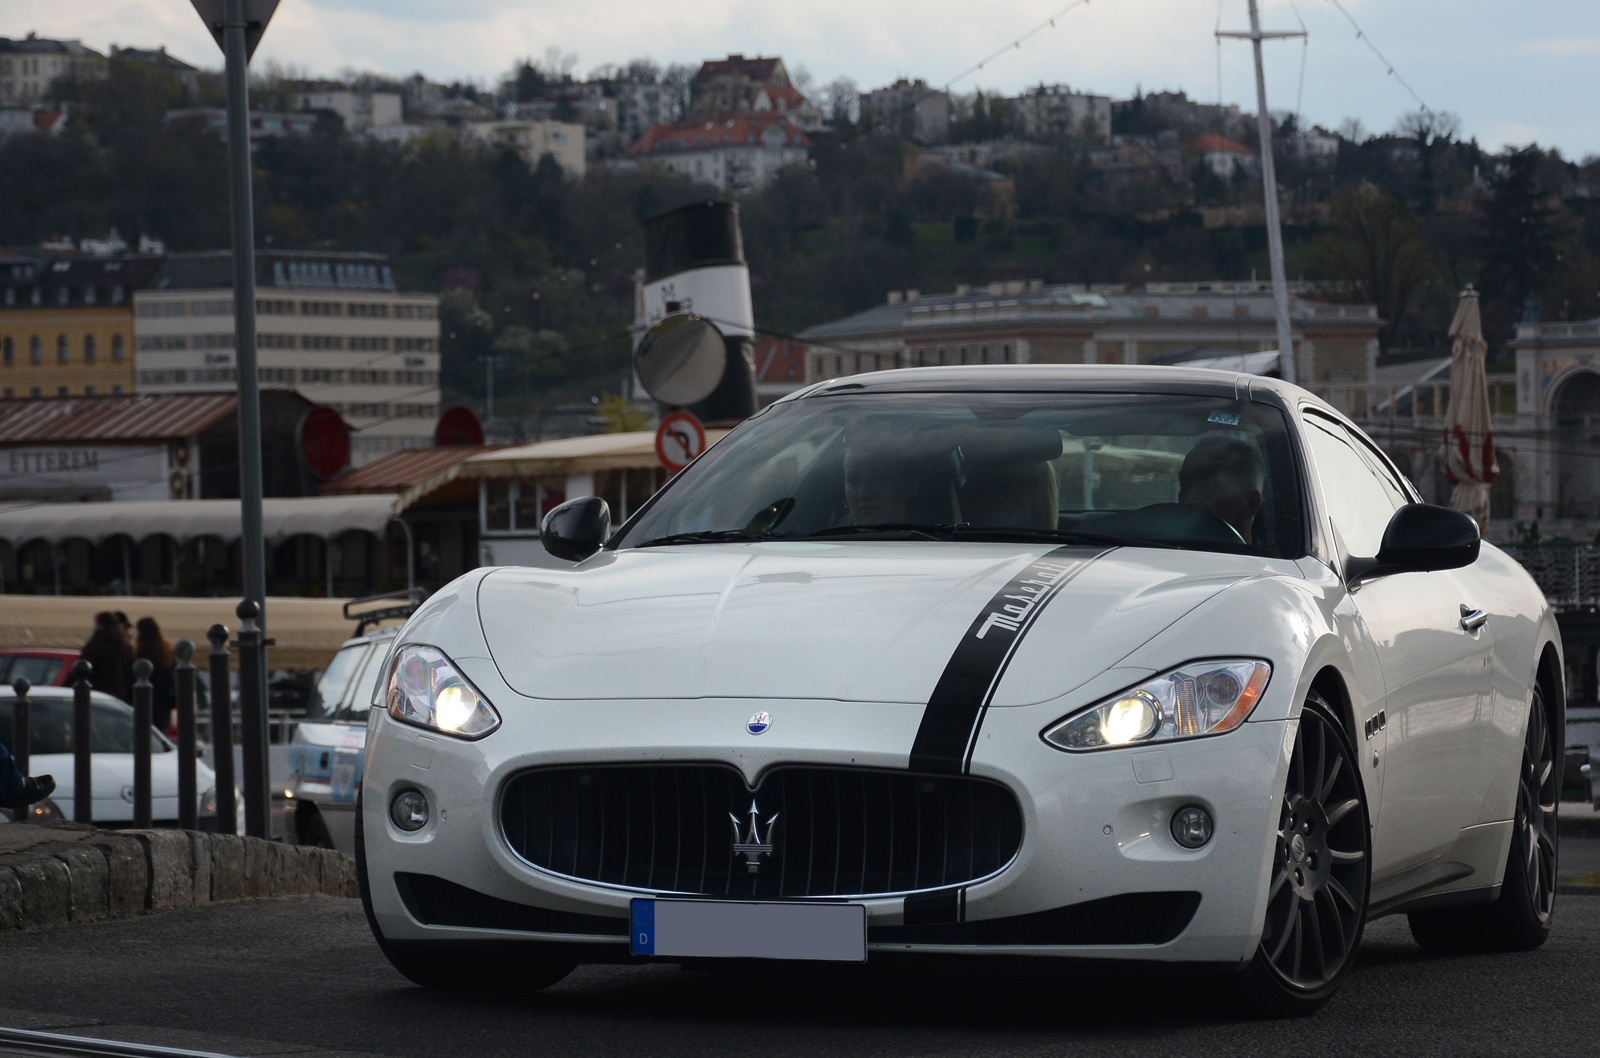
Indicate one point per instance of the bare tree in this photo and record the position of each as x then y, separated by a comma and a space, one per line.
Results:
1377, 248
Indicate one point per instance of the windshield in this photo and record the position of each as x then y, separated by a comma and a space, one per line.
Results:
50, 727
1153, 469
360, 703
335, 681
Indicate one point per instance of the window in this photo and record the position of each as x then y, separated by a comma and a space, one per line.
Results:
63, 349
322, 375
321, 341
88, 295
157, 342
1359, 501
378, 345
10, 351
415, 345
10, 392
116, 349
88, 391
35, 391
11, 297
62, 391
275, 341
63, 295
116, 389
88, 349
116, 294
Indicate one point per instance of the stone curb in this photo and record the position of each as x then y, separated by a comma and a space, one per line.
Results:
53, 874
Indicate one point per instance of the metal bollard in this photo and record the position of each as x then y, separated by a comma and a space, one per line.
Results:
222, 731
142, 692
183, 691
253, 720
20, 710
82, 744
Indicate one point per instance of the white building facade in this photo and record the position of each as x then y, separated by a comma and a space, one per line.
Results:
534, 140
1057, 112
731, 151
360, 110
334, 327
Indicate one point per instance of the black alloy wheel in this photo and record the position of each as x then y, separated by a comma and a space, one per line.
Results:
1321, 870
1520, 919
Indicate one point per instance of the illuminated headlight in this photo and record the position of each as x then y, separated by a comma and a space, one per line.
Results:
425, 689
208, 802
1201, 698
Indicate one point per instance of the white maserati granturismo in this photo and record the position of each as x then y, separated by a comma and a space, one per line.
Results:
1141, 665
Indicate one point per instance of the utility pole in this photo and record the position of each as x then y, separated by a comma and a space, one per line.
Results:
1269, 185
237, 25
489, 360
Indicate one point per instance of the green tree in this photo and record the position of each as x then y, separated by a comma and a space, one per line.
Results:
1518, 245
1377, 249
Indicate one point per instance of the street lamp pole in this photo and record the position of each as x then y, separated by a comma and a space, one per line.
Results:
1269, 186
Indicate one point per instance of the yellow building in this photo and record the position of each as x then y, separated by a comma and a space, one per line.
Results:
66, 325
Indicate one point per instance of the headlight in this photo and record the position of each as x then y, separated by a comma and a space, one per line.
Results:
208, 802
1201, 698
425, 689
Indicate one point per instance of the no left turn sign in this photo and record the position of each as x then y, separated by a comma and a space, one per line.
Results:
679, 440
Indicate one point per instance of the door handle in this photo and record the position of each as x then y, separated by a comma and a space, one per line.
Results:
1473, 619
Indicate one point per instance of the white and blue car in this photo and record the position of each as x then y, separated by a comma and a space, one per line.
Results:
1143, 665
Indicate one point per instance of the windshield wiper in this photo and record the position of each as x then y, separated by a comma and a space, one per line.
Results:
707, 536
891, 531
967, 531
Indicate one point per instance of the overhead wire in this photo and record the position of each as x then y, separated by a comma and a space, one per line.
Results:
1048, 23
1362, 36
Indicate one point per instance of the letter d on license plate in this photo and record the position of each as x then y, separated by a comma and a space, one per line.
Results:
737, 929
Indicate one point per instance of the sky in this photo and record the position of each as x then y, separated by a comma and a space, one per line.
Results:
1513, 71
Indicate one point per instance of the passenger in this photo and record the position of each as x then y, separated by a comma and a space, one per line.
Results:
879, 486
1224, 476
110, 658
154, 646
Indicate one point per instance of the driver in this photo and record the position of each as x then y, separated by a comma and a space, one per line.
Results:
1223, 476
879, 485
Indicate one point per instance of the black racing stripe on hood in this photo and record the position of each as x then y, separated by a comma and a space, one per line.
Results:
955, 710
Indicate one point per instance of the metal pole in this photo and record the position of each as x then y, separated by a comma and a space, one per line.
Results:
183, 691
142, 737
21, 728
82, 744
222, 731
488, 412
1269, 183
253, 720
244, 316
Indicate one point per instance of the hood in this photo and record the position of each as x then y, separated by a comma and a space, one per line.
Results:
865, 621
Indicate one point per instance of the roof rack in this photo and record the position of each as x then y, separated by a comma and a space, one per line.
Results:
413, 598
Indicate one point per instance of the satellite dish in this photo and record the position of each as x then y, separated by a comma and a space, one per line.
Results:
681, 359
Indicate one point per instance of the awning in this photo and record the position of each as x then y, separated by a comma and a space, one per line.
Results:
185, 520
550, 459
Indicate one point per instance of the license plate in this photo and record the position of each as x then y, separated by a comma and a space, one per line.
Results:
737, 929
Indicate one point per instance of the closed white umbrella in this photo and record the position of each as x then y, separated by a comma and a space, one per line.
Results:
1468, 457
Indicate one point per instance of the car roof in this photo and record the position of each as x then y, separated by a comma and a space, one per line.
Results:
1131, 378
37, 652
373, 636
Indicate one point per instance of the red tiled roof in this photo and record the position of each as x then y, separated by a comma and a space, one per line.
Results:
780, 360
399, 471
1211, 143
139, 417
784, 96
757, 69
725, 130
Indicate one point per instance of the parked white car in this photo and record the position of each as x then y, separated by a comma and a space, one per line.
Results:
1143, 664
111, 747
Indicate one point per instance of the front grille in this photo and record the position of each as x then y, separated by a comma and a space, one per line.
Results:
839, 831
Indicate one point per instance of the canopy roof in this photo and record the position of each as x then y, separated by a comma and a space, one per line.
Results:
184, 520
549, 459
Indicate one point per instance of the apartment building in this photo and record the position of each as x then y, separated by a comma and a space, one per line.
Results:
361, 110
908, 109
29, 66
534, 140
732, 152
66, 324
1050, 112
336, 327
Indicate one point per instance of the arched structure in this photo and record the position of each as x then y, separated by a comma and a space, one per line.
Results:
1575, 407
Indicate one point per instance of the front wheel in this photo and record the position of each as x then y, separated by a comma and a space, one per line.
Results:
1321, 870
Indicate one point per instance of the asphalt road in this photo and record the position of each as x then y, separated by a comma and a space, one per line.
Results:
303, 977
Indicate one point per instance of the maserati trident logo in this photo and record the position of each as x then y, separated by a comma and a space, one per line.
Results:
759, 723
749, 843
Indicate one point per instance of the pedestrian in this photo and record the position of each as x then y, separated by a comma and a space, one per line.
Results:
153, 646
110, 658
18, 790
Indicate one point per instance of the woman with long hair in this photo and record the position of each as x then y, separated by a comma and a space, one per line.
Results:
152, 645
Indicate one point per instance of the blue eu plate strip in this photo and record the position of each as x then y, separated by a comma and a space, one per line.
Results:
644, 927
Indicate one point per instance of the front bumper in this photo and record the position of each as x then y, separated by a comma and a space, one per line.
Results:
1095, 825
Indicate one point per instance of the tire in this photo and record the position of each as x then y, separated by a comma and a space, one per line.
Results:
1321, 873
1520, 919
313, 830
497, 967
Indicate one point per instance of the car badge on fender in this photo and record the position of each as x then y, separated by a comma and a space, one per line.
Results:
759, 723
749, 844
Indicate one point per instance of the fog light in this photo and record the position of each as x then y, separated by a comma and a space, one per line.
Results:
409, 810
1191, 826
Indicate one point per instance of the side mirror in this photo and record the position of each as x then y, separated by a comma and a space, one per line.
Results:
576, 529
1421, 538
